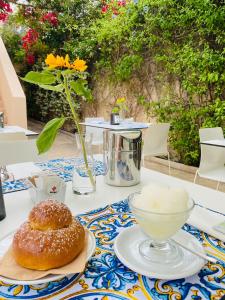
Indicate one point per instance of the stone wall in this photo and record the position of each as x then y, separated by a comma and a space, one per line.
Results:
143, 83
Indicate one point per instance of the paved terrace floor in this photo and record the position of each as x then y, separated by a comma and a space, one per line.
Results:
65, 146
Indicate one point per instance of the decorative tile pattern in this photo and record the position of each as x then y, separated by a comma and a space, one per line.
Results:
106, 278
62, 167
15, 185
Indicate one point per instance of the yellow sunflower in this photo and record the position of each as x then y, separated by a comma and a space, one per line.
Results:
79, 65
67, 61
59, 61
54, 61
51, 61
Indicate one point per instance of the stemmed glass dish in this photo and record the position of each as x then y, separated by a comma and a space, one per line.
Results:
159, 228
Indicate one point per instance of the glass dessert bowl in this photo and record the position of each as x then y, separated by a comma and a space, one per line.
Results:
159, 223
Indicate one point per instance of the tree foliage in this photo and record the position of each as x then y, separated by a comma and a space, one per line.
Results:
183, 39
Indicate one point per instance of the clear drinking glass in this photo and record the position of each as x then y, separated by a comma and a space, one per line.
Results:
159, 228
122, 115
84, 181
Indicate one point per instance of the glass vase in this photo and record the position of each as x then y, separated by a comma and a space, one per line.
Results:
84, 181
122, 115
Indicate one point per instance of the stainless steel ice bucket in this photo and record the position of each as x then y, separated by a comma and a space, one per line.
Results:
122, 157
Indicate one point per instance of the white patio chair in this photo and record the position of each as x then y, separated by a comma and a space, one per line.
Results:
212, 158
97, 133
155, 141
129, 120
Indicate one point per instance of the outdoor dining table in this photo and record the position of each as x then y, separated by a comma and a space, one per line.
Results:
14, 129
124, 125
106, 213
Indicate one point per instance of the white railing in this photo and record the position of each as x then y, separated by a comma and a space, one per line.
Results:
12, 97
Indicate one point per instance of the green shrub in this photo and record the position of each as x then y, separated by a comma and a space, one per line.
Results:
184, 42
12, 41
70, 34
127, 65
186, 117
182, 38
44, 105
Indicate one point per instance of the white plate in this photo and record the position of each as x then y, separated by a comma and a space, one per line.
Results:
126, 247
6, 242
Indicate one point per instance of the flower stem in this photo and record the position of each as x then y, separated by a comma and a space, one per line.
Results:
76, 121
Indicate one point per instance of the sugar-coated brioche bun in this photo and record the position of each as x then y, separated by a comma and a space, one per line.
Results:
51, 238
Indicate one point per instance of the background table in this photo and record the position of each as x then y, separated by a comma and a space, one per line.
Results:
13, 129
122, 126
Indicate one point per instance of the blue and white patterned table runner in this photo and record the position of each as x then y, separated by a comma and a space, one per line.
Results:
62, 167
106, 278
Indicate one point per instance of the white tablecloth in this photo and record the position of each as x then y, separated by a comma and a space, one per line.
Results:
18, 204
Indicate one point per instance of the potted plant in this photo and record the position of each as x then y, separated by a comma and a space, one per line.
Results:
118, 111
63, 76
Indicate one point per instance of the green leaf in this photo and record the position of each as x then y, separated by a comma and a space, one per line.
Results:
39, 78
115, 110
68, 72
47, 137
56, 88
80, 88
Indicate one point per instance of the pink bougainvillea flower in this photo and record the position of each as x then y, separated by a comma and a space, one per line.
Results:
25, 46
5, 9
30, 58
115, 11
29, 38
105, 9
5, 6
121, 3
28, 11
3, 17
8, 8
51, 18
